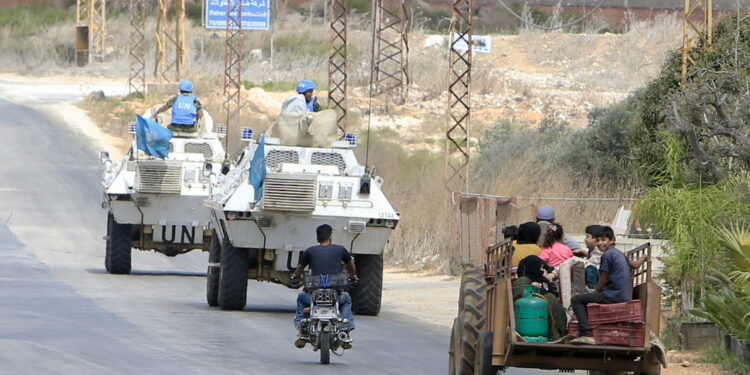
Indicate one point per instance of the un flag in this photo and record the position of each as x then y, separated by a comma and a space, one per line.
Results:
152, 138
258, 168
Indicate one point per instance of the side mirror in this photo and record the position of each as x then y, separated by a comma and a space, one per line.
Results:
104, 157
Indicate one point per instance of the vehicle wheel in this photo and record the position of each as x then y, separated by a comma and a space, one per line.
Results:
325, 348
454, 352
471, 319
213, 272
473, 276
367, 295
233, 277
117, 258
483, 365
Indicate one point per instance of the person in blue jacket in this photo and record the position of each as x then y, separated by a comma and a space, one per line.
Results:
306, 88
186, 109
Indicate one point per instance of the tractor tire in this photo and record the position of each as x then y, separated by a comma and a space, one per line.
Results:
454, 351
472, 319
213, 272
117, 258
474, 276
367, 295
483, 365
233, 277
325, 348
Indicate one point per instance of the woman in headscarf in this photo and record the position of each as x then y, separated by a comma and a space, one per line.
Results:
525, 245
533, 271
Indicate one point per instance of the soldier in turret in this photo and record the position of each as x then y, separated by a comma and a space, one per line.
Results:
186, 109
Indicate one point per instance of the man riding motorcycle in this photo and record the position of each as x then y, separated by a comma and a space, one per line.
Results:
325, 259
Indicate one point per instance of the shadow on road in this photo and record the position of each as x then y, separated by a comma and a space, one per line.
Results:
151, 273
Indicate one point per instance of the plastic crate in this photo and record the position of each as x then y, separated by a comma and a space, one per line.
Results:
622, 334
573, 328
625, 312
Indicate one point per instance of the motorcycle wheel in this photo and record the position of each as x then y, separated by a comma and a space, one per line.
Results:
325, 348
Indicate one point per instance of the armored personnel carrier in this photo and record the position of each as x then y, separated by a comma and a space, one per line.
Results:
157, 204
311, 178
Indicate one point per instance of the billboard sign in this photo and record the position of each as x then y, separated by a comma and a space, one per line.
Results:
256, 14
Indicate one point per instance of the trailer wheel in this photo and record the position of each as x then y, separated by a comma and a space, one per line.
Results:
233, 277
483, 365
471, 319
117, 257
213, 272
367, 295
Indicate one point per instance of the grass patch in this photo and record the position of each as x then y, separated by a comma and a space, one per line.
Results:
728, 361
301, 45
31, 19
271, 85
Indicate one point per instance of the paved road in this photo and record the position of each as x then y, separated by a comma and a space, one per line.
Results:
63, 314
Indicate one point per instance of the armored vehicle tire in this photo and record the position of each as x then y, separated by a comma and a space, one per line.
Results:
472, 321
233, 277
325, 348
367, 295
475, 277
117, 258
213, 272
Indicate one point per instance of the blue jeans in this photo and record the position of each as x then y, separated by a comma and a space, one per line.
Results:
345, 307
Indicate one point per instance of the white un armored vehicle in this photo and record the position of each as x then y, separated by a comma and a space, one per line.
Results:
311, 179
157, 204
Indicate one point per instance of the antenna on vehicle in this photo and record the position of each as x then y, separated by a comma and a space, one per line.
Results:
372, 75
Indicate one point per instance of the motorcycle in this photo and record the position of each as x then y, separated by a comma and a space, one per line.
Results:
323, 328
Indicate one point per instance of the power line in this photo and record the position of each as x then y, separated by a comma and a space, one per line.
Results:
549, 28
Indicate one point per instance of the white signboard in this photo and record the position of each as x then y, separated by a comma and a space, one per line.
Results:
480, 43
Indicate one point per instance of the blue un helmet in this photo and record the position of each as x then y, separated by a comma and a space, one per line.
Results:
305, 85
185, 86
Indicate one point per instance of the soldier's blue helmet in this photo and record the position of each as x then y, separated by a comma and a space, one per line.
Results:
185, 86
305, 85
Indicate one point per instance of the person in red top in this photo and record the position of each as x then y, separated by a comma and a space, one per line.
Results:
554, 251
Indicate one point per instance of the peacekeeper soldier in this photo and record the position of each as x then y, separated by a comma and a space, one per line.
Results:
305, 88
186, 109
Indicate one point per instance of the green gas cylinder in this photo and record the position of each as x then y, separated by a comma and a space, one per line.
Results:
532, 316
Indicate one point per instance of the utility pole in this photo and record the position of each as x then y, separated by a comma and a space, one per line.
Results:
337, 67
91, 27
137, 50
392, 51
457, 148
692, 32
233, 66
170, 40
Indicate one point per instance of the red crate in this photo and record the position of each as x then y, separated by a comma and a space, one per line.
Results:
623, 334
625, 312
573, 328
